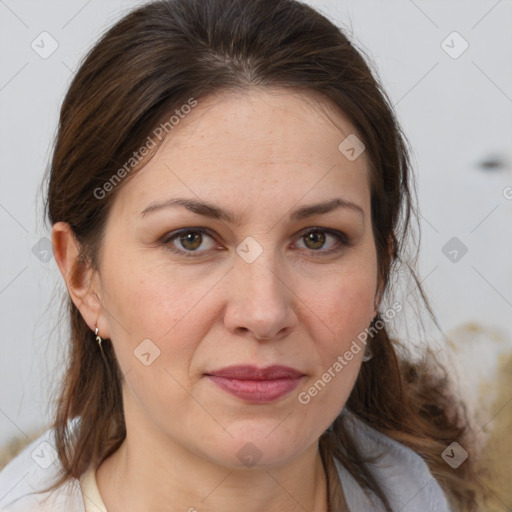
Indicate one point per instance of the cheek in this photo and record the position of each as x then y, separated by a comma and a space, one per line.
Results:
339, 316
352, 308
144, 302
154, 316
346, 303
342, 313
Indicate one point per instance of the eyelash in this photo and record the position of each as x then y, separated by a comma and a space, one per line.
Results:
343, 240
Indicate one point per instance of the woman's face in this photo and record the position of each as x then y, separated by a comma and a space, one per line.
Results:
179, 308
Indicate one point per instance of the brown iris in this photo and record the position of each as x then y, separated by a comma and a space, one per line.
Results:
317, 238
191, 240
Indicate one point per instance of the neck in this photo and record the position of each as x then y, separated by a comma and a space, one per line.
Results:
150, 472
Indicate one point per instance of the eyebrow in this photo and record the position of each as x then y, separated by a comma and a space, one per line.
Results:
210, 210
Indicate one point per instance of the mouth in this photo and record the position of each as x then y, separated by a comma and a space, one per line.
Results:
257, 385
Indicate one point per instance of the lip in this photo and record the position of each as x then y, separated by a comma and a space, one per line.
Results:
253, 384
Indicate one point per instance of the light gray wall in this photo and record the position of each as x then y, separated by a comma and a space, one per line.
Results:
456, 112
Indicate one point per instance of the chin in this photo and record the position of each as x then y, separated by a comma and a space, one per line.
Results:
258, 447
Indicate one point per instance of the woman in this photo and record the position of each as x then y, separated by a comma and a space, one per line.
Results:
230, 194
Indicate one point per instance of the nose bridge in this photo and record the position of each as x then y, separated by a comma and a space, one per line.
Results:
263, 302
260, 276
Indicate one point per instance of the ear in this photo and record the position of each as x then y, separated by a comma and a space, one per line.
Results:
392, 254
78, 274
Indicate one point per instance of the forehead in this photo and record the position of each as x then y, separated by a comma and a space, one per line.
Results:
270, 147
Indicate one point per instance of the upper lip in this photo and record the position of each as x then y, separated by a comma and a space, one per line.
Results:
250, 372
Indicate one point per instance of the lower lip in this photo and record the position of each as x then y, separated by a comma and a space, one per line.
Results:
257, 390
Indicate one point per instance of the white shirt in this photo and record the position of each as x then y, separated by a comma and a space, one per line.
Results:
402, 473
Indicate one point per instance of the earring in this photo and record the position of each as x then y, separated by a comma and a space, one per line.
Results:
368, 354
98, 339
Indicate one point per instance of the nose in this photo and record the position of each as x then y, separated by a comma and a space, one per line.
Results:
261, 302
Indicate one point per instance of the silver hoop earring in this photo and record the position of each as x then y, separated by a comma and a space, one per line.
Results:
98, 339
368, 354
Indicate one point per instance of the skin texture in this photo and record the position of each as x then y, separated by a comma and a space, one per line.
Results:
259, 153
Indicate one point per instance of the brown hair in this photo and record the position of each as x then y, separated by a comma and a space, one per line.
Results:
150, 63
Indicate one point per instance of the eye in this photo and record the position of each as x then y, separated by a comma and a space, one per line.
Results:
315, 239
189, 239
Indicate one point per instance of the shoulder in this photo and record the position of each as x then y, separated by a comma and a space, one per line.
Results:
402, 473
32, 470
